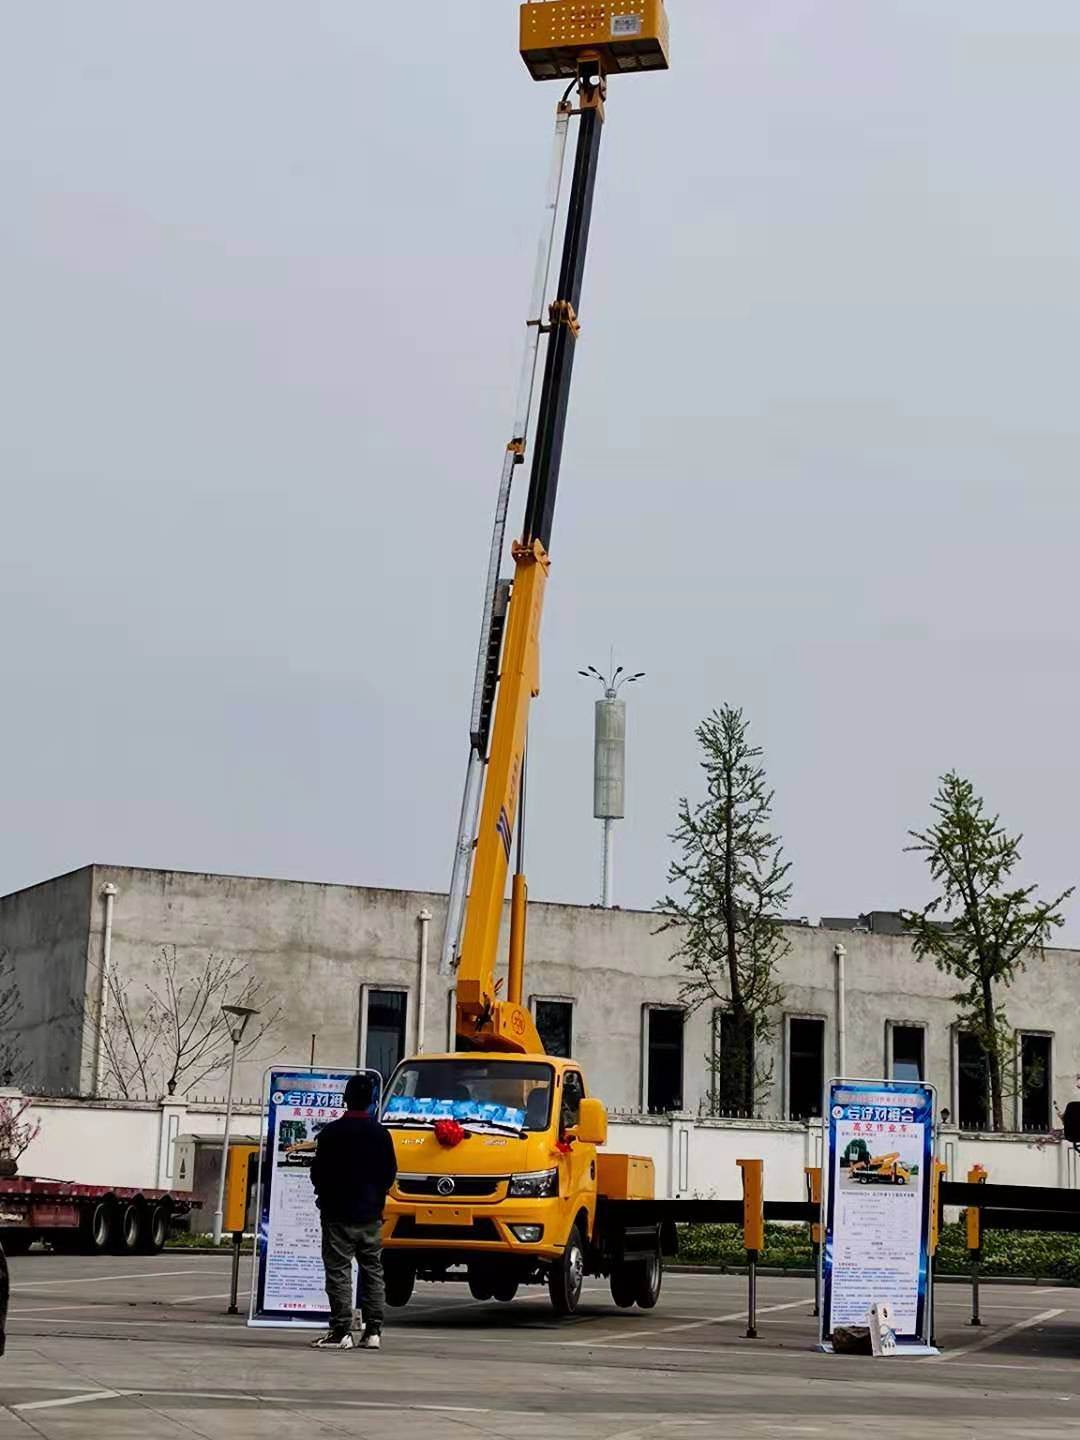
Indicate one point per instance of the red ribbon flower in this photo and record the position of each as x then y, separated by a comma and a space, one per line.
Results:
563, 1147
449, 1133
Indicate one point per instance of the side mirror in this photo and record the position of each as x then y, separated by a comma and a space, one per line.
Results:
591, 1128
1071, 1122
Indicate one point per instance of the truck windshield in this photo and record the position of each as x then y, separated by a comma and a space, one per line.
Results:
480, 1093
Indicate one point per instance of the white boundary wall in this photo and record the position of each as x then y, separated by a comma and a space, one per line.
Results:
108, 1142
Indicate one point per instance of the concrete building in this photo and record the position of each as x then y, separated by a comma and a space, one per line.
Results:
355, 968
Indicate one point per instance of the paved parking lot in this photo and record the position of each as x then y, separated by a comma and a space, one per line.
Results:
143, 1349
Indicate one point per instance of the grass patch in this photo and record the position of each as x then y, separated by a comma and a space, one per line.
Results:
787, 1247
186, 1240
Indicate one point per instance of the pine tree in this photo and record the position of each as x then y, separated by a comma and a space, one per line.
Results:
729, 888
978, 928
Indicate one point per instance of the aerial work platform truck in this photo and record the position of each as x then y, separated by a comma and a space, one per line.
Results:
502, 1177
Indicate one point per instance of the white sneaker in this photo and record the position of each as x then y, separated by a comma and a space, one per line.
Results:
335, 1339
371, 1340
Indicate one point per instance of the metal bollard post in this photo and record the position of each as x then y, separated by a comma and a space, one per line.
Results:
812, 1174
973, 1225
975, 1318
234, 1288
753, 1179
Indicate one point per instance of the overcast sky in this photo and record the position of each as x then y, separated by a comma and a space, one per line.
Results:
263, 268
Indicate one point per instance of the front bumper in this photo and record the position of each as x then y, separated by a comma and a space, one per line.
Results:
473, 1227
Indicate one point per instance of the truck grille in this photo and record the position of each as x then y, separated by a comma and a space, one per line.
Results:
406, 1228
468, 1185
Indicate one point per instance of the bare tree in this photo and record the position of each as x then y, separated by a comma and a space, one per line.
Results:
16, 1134
171, 1033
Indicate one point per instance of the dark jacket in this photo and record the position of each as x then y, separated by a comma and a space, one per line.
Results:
354, 1167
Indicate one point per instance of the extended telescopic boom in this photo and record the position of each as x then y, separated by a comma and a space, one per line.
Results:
554, 45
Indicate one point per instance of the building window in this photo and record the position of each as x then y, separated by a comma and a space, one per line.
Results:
663, 1067
384, 1029
1035, 1082
726, 1082
907, 1053
806, 1067
555, 1025
972, 1083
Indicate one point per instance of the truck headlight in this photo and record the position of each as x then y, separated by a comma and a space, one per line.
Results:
534, 1185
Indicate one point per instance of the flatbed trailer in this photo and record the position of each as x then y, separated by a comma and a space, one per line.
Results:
87, 1219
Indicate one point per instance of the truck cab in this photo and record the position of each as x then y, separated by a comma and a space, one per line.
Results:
499, 1177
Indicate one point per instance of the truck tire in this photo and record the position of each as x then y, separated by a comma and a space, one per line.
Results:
624, 1285
154, 1230
504, 1289
567, 1275
481, 1283
400, 1279
97, 1227
129, 1229
650, 1277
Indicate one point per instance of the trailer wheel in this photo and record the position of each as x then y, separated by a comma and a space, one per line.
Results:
400, 1279
98, 1227
567, 1275
624, 1285
154, 1230
649, 1278
128, 1234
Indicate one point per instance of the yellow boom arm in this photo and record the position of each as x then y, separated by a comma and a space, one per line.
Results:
486, 1020
483, 1020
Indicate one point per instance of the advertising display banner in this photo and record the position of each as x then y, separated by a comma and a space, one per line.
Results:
876, 1223
288, 1285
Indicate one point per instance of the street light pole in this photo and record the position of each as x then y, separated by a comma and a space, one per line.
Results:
237, 1017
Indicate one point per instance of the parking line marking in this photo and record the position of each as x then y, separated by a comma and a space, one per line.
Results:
82, 1399
722, 1319
988, 1340
102, 1279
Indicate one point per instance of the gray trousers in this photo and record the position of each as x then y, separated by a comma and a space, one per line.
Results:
341, 1245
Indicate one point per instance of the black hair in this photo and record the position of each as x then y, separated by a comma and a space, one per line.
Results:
359, 1092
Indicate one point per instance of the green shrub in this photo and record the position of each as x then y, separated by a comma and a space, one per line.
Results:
787, 1247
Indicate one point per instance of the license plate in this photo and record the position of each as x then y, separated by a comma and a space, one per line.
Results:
444, 1215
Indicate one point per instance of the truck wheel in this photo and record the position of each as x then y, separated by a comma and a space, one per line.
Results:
504, 1289
624, 1286
154, 1230
400, 1279
481, 1284
97, 1228
649, 1278
129, 1231
567, 1275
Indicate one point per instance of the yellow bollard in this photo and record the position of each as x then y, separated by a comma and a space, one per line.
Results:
937, 1171
753, 1181
812, 1174
973, 1224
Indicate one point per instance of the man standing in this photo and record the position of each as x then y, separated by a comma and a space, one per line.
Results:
354, 1167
